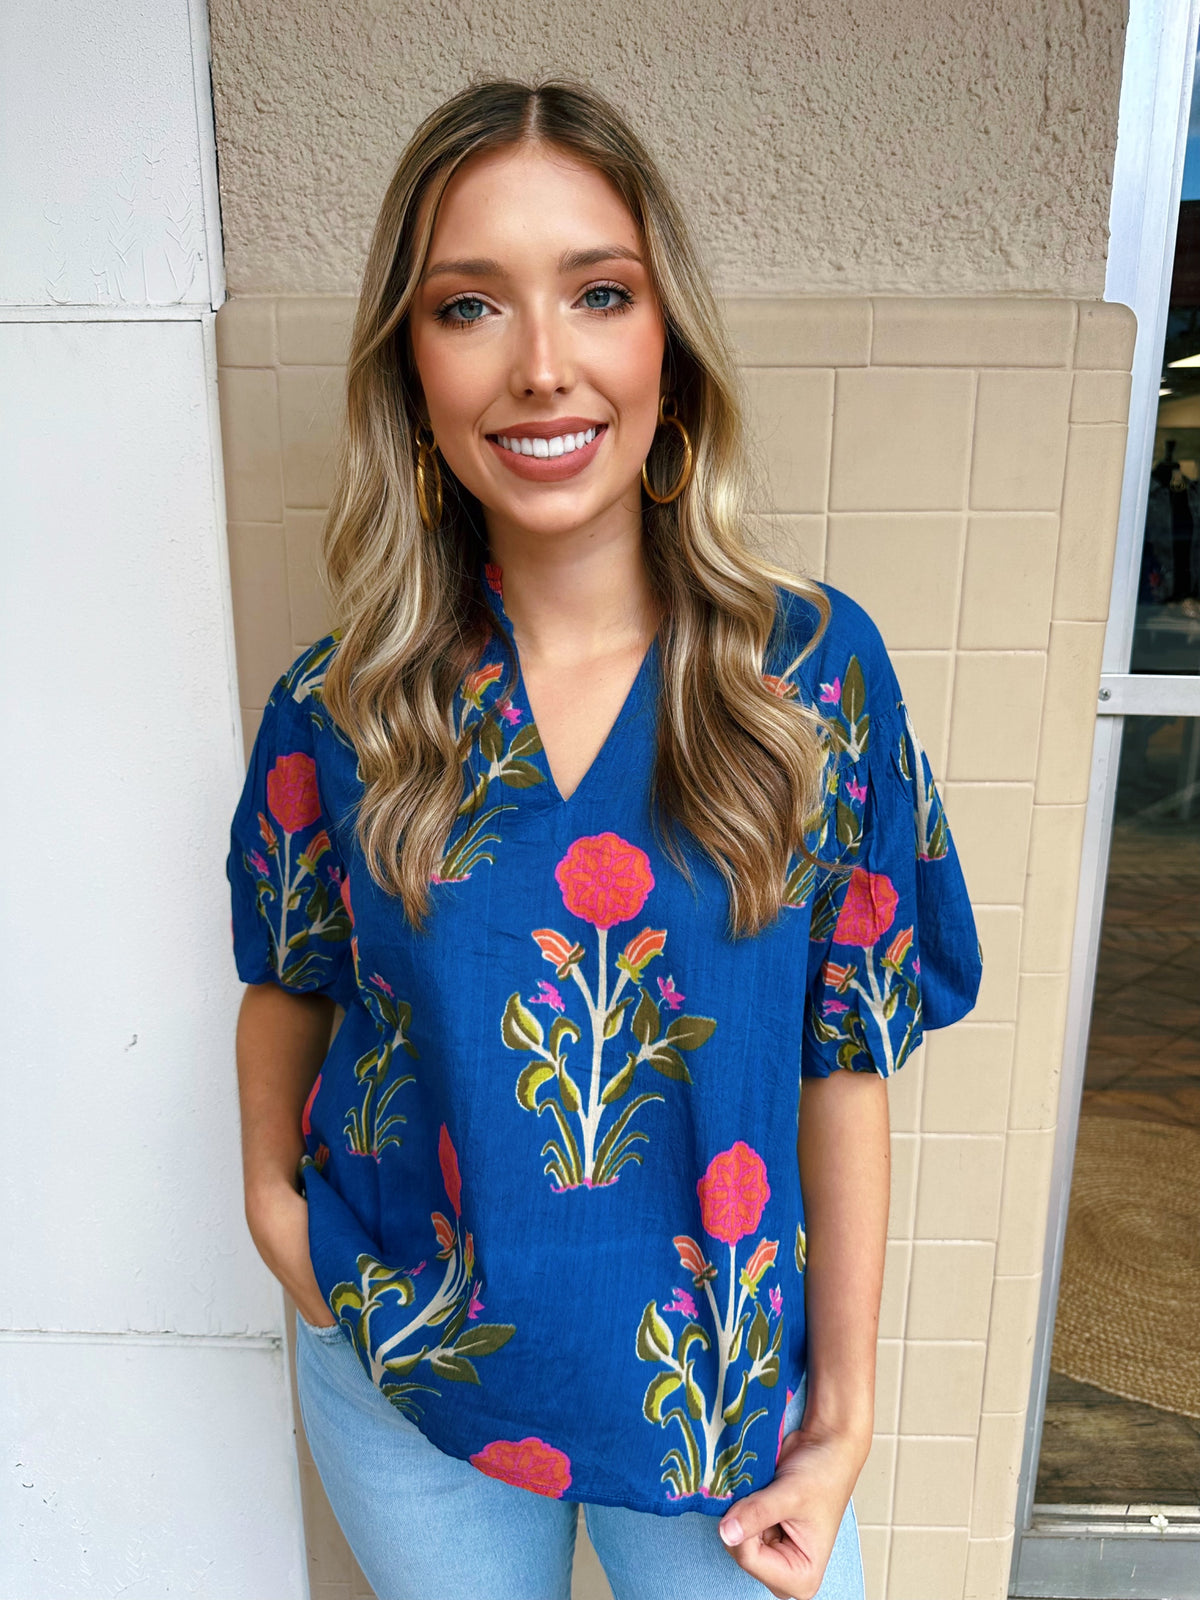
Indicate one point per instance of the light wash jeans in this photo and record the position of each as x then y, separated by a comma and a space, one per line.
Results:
424, 1525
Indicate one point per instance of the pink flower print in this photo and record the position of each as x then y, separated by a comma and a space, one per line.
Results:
306, 1114
547, 995
917, 966
775, 1295
604, 879
476, 1305
834, 1007
260, 866
682, 1302
510, 713
672, 996
733, 1192
856, 791
386, 987
831, 693
292, 791
868, 910
528, 1463
448, 1160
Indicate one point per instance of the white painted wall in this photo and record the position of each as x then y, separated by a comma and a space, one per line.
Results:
145, 1408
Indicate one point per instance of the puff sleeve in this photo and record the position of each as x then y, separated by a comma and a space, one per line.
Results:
290, 921
893, 946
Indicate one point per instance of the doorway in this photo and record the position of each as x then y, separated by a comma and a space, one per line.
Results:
1110, 1489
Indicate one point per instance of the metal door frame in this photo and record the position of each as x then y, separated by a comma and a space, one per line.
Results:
1107, 1551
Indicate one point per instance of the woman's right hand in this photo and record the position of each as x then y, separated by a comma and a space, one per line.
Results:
277, 1216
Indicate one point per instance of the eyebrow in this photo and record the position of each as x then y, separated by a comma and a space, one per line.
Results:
569, 261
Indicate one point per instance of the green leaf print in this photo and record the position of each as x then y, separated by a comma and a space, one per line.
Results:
520, 1028
654, 1338
661, 1389
604, 880
380, 1288
733, 1193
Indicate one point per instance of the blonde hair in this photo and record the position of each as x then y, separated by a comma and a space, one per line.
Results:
737, 767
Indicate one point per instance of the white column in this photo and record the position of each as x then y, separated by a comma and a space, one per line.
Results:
144, 1397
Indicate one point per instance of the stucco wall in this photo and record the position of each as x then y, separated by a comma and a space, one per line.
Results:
830, 146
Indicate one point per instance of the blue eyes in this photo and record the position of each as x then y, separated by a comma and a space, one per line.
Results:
608, 288
468, 309
472, 310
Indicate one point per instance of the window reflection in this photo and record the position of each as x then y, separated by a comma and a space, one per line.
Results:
1167, 630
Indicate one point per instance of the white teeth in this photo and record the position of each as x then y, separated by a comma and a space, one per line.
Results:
560, 445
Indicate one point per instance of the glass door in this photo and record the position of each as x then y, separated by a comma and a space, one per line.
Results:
1110, 1491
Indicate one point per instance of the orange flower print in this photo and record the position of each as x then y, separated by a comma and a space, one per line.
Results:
872, 990
292, 791
490, 758
297, 897
448, 1160
868, 910
526, 1463
604, 879
306, 1114
733, 1192
493, 571
730, 1323
413, 1334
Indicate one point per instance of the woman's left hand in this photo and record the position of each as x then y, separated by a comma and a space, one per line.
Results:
788, 1529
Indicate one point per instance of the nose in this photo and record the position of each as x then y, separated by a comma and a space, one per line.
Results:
542, 362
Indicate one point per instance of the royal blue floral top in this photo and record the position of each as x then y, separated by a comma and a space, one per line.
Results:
550, 1161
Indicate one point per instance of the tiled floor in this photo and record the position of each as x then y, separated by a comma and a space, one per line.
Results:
1143, 1062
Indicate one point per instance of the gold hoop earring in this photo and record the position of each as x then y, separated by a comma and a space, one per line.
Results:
427, 457
665, 416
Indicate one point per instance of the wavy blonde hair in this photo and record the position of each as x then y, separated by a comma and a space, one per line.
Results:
738, 767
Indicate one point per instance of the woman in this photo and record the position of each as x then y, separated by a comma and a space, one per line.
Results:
607, 835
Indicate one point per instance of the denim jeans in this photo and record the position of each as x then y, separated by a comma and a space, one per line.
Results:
424, 1525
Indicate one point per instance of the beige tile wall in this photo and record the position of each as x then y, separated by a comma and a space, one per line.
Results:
955, 464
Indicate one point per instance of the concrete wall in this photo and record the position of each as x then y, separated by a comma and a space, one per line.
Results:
147, 1430
839, 146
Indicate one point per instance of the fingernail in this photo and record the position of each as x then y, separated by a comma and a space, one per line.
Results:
731, 1531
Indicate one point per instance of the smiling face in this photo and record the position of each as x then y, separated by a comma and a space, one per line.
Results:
539, 340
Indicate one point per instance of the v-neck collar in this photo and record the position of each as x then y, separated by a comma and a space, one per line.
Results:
490, 579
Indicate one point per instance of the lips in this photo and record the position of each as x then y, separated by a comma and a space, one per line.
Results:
547, 468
